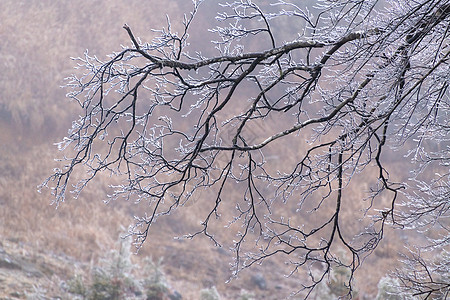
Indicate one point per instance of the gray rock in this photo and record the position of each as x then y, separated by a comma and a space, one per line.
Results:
175, 296
259, 281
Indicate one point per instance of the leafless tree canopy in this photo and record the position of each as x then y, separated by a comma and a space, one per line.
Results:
292, 113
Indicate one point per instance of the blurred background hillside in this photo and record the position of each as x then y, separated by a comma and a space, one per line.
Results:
42, 249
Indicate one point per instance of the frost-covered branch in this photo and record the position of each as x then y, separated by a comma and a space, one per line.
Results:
296, 119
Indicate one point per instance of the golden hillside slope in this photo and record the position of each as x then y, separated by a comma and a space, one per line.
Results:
42, 248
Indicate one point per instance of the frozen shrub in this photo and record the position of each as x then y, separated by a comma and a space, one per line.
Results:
155, 284
389, 289
112, 279
209, 294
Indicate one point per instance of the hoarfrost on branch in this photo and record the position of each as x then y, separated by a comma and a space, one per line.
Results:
289, 105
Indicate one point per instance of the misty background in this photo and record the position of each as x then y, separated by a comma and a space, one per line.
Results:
38, 38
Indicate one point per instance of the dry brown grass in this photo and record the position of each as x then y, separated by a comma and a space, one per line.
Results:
37, 39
